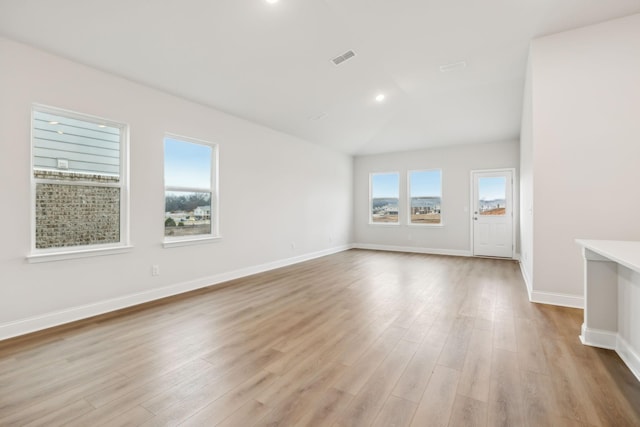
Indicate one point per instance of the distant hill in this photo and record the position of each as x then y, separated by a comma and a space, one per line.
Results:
492, 204
181, 201
379, 202
426, 202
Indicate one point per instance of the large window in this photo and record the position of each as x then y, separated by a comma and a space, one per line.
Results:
190, 183
384, 197
79, 188
425, 197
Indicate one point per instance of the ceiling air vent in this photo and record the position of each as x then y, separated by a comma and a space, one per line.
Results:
342, 58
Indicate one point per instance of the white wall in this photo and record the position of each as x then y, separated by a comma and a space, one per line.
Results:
456, 163
586, 147
275, 190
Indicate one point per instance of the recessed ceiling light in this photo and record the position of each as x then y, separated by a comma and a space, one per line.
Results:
380, 97
53, 123
102, 126
272, 1
60, 132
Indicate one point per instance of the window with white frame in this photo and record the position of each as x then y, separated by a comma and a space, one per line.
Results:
190, 184
79, 182
425, 197
384, 195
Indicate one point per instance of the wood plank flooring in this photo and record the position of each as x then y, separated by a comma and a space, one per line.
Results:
360, 338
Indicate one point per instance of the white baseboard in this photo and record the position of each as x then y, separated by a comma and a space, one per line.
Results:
564, 300
613, 341
553, 298
37, 323
629, 356
411, 249
598, 338
527, 279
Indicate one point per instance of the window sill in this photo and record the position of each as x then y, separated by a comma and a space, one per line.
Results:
190, 241
384, 224
426, 225
83, 253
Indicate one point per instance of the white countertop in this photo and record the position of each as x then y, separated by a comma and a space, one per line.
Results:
623, 252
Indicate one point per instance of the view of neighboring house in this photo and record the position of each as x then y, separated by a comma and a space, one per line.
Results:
202, 212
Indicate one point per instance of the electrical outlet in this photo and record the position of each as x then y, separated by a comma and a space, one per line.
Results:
293, 245
155, 270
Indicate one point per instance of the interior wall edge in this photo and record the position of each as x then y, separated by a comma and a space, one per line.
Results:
527, 278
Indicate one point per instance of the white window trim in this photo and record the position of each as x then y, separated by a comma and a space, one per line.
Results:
214, 236
78, 253
411, 224
72, 252
189, 241
370, 208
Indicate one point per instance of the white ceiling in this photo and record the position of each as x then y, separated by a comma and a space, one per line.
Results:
271, 63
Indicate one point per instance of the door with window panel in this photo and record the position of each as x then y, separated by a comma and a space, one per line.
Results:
493, 213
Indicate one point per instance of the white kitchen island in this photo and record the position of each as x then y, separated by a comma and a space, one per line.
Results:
612, 298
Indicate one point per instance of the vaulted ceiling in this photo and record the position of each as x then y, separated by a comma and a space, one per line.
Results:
270, 63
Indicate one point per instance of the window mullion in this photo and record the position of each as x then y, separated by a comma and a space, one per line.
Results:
188, 189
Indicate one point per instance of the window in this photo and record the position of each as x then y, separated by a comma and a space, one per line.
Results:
384, 196
425, 197
190, 184
492, 195
79, 189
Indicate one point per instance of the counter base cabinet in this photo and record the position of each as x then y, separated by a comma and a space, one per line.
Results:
612, 298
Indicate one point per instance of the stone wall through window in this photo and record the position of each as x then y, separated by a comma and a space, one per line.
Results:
76, 215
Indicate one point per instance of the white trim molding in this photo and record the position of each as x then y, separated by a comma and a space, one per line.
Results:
526, 278
85, 253
598, 338
628, 356
553, 298
411, 249
612, 341
37, 323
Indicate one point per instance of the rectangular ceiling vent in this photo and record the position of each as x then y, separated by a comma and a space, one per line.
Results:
342, 58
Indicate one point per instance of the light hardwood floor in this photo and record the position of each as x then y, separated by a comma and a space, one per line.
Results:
358, 338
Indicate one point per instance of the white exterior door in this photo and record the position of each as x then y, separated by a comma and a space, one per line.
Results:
493, 213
